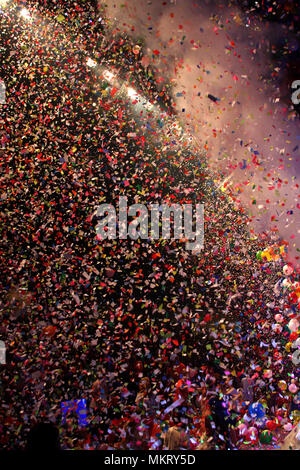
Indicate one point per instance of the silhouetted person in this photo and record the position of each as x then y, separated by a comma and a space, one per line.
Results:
43, 436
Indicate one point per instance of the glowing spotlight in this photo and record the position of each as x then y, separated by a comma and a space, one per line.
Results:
91, 63
25, 14
132, 94
108, 75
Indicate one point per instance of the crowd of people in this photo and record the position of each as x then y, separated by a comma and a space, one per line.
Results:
169, 349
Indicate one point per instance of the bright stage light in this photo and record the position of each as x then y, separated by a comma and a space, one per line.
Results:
25, 14
91, 63
132, 94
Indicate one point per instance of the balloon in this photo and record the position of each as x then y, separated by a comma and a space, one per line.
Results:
288, 346
242, 429
282, 385
276, 327
109, 272
136, 49
287, 270
139, 366
266, 254
296, 288
279, 318
271, 425
293, 325
293, 388
60, 18
286, 283
266, 437
268, 373
256, 410
252, 434
49, 330
293, 336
